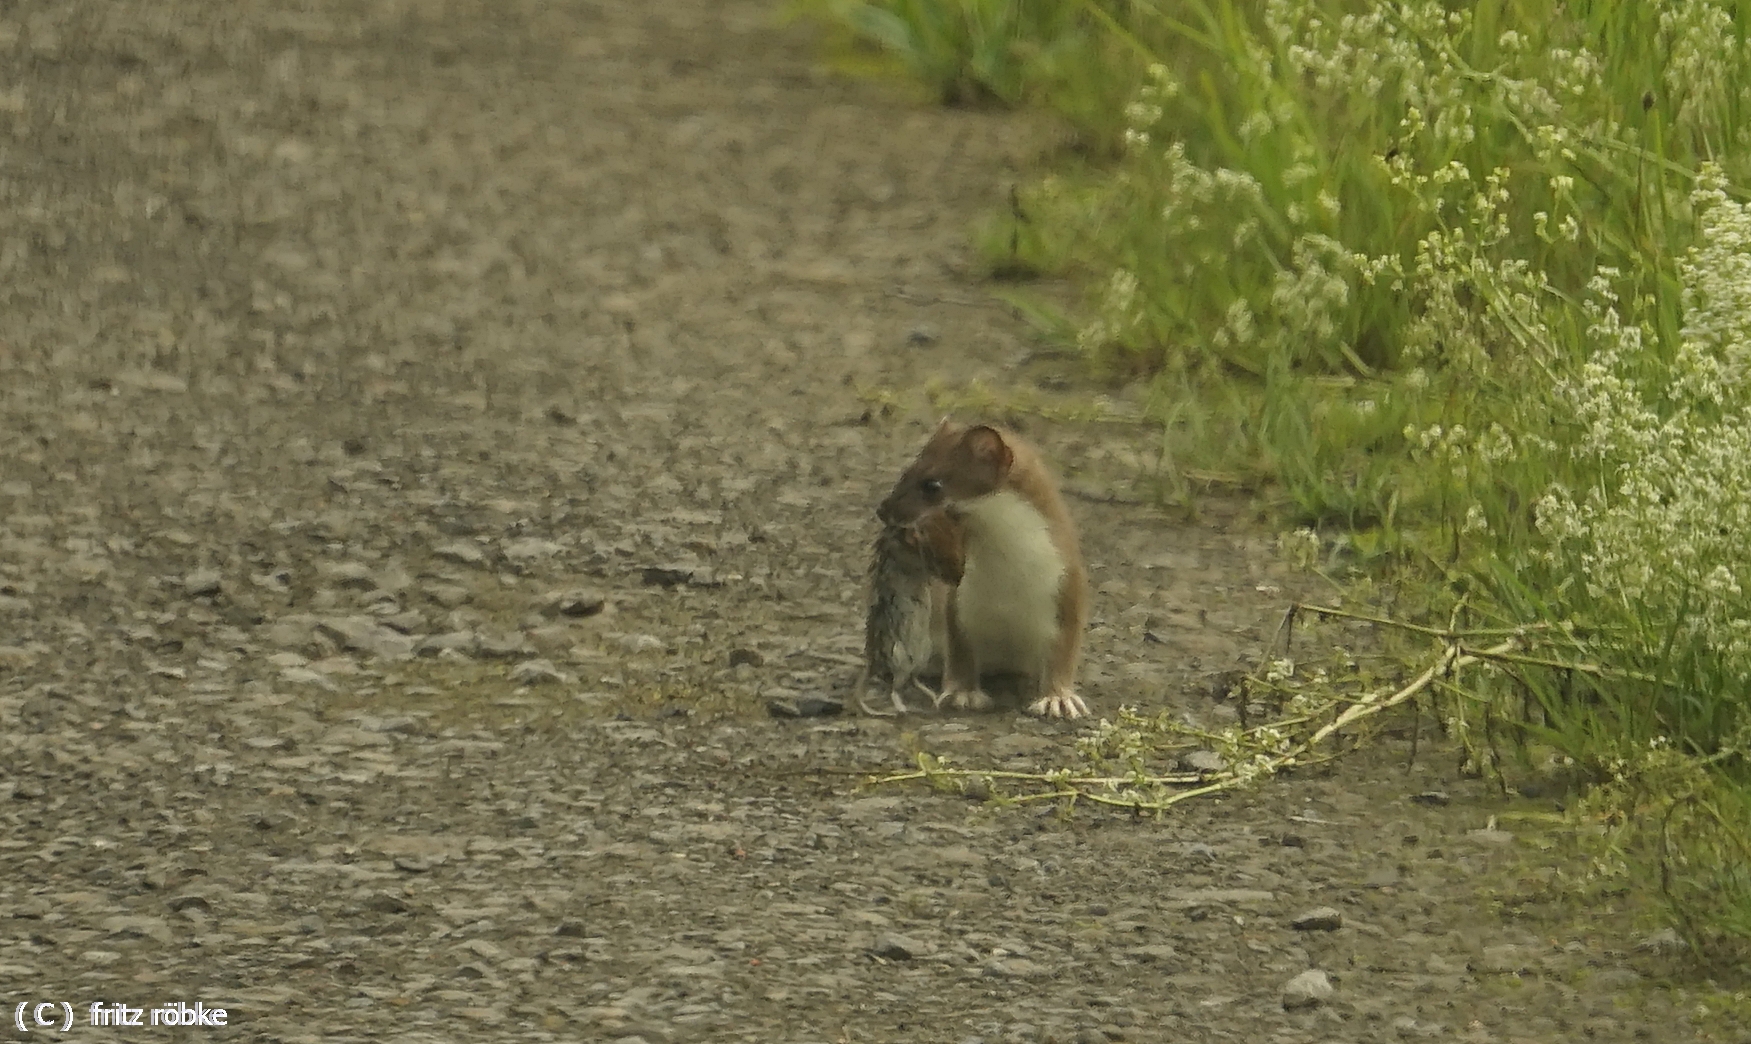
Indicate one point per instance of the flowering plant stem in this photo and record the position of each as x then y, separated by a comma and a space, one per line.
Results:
1146, 792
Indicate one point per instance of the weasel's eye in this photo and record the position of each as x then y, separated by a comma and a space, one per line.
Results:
931, 488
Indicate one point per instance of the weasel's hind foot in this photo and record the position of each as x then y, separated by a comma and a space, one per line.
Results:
1061, 704
965, 699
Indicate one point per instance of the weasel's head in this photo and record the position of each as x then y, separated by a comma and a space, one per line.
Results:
957, 464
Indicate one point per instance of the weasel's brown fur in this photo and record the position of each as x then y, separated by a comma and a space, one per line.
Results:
1020, 604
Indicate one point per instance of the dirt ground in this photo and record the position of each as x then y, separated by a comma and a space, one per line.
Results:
433, 431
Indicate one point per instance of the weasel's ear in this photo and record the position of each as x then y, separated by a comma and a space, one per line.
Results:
985, 445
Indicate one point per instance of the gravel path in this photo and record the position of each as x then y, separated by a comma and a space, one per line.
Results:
431, 433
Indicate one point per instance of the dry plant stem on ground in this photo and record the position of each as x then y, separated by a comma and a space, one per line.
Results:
1123, 791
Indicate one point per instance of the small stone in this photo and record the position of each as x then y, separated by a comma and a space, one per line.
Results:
641, 643
351, 575
1321, 919
571, 930
128, 927
306, 676
295, 631
921, 335
1154, 953
805, 707
1013, 968
1310, 989
1436, 798
461, 643
1616, 978
15, 657
1381, 877
530, 548
511, 646
896, 948
463, 551
536, 672
748, 657
407, 622
448, 595
362, 634
667, 575
577, 604
1199, 850
202, 583
387, 902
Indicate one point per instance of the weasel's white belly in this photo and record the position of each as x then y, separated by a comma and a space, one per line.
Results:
1007, 602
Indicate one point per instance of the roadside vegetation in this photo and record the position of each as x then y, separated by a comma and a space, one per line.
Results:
1464, 290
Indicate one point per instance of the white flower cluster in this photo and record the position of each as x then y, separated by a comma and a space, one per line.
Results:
1403, 47
1661, 530
1706, 56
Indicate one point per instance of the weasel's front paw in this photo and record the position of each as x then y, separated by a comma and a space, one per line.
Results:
1061, 704
965, 699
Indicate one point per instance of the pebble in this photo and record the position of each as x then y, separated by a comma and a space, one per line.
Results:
504, 647
1308, 990
529, 548
805, 707
1013, 968
364, 634
1320, 919
1619, 978
896, 948
16, 657
459, 642
464, 551
640, 643
449, 596
350, 575
537, 672
576, 603
202, 583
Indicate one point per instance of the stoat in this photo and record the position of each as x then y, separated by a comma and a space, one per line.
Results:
1021, 602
